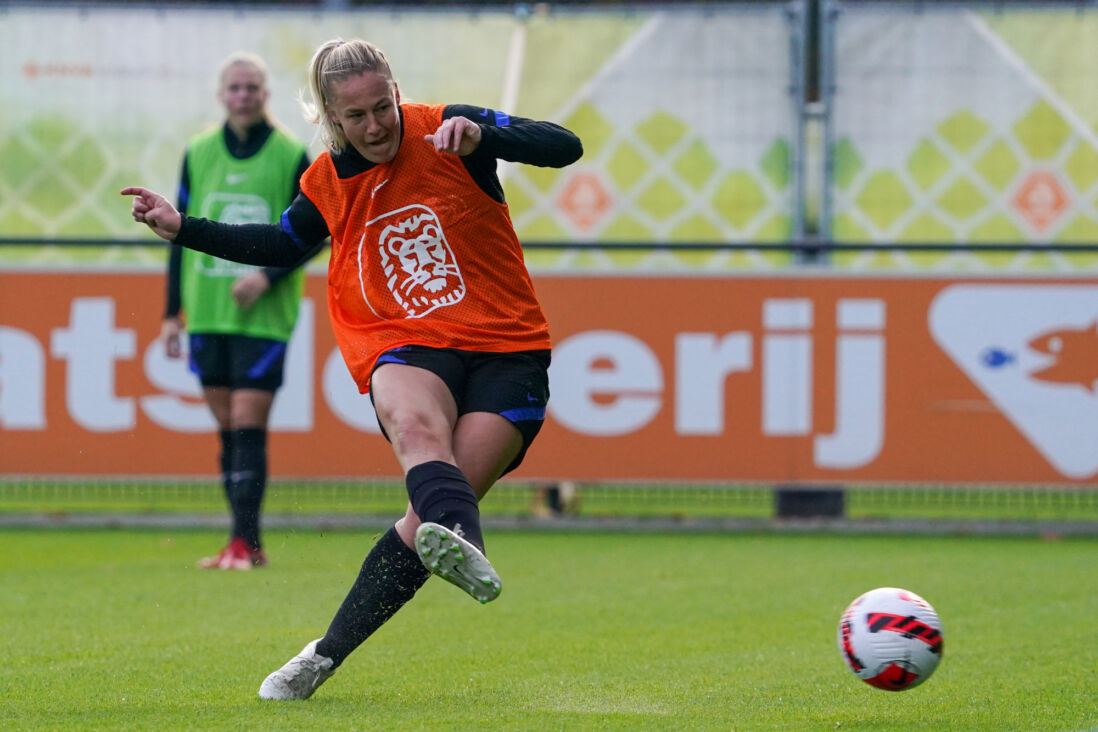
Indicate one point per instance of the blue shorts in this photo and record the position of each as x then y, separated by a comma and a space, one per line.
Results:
512, 385
237, 361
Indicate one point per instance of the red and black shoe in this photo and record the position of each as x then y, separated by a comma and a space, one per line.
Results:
238, 555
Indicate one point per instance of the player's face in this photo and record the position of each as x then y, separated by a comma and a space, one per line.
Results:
365, 106
244, 94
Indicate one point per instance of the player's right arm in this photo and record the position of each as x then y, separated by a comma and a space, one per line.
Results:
283, 244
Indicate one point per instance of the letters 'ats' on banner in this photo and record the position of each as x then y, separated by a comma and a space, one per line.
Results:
784, 379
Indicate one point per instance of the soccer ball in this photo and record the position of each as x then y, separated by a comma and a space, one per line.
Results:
891, 638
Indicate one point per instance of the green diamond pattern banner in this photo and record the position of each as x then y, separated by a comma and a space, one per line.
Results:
113, 97
951, 125
688, 117
689, 127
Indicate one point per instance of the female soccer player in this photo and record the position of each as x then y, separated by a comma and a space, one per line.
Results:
238, 318
433, 309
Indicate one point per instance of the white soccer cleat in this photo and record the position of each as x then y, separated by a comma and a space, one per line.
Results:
451, 557
300, 677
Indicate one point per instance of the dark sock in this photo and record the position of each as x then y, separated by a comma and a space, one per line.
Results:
390, 576
225, 460
248, 481
440, 493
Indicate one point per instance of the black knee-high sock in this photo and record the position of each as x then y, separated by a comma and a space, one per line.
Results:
226, 461
248, 481
440, 493
390, 576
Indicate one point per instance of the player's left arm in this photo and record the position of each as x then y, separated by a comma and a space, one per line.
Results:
514, 139
518, 139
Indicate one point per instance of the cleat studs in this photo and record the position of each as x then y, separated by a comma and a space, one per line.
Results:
442, 553
434, 565
427, 551
459, 557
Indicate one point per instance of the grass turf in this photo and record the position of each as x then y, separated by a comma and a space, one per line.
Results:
117, 630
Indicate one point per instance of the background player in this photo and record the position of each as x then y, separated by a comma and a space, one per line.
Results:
238, 317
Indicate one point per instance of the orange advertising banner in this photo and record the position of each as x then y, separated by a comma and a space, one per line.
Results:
774, 379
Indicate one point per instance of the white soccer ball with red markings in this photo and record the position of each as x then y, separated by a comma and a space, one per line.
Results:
891, 638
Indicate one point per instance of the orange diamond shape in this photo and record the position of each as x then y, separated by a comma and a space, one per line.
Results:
1040, 199
584, 200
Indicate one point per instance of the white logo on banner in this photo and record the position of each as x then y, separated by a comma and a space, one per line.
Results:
1033, 350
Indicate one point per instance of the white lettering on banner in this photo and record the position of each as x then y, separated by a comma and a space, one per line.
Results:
859, 388
180, 407
22, 381
618, 367
702, 363
90, 346
626, 374
787, 367
604, 382
342, 396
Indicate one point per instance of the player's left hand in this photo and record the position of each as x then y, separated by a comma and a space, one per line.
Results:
247, 288
457, 135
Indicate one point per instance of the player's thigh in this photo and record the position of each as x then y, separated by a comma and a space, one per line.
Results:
485, 445
251, 408
416, 410
219, 400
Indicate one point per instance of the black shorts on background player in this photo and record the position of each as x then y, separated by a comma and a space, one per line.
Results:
237, 361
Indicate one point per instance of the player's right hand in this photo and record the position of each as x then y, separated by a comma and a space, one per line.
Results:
171, 330
155, 211
248, 287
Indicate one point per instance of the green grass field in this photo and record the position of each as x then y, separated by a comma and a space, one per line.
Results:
118, 630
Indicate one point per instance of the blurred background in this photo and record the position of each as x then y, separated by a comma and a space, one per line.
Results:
823, 263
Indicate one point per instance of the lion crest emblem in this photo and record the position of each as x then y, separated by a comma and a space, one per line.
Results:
419, 267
